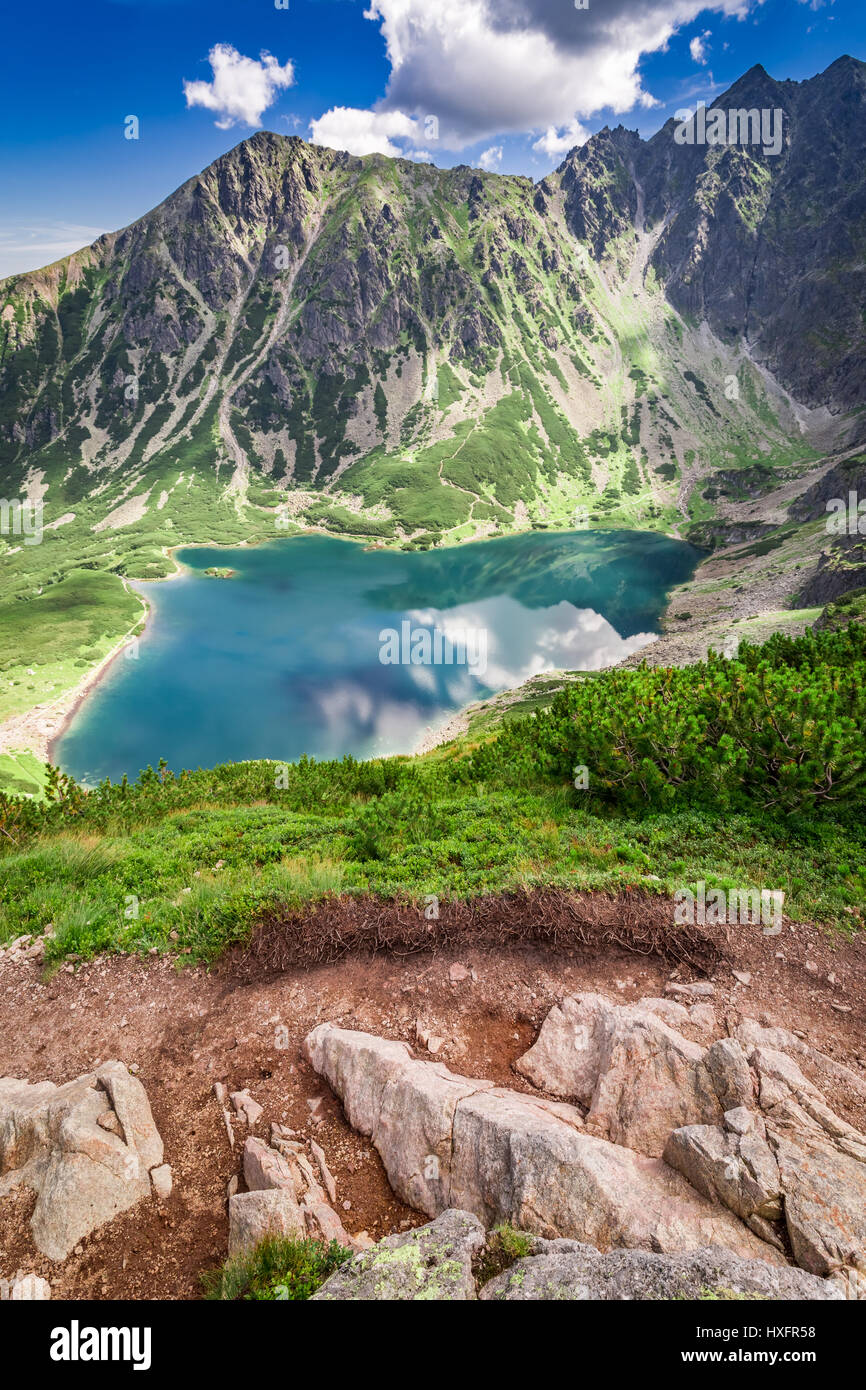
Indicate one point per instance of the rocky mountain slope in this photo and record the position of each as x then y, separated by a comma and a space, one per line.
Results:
391, 349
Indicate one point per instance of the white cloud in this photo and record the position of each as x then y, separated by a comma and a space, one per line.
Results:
242, 88
698, 47
364, 132
31, 246
490, 159
556, 143
488, 68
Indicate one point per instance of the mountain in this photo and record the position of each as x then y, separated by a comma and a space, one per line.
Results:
659, 334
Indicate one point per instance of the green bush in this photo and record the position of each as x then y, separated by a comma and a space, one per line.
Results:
780, 727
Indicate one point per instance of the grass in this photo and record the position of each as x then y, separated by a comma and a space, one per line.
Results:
503, 1247
198, 879
277, 1270
63, 631
190, 863
22, 774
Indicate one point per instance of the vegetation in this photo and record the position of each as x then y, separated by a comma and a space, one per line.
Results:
503, 1247
278, 1269
735, 773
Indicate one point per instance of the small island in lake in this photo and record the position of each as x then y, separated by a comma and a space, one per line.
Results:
216, 572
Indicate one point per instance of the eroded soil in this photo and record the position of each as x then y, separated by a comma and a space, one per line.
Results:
185, 1028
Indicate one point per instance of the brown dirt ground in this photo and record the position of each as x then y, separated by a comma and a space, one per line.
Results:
186, 1028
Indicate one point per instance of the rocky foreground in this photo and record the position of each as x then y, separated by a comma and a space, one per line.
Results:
642, 1164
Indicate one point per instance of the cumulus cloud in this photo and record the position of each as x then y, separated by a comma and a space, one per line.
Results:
556, 143
242, 88
490, 159
364, 132
698, 47
488, 68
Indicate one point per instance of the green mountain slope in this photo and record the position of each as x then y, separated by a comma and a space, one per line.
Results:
657, 335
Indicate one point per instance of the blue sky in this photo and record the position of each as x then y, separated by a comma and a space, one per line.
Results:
512, 84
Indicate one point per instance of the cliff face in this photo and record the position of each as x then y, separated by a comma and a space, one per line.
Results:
770, 248
303, 320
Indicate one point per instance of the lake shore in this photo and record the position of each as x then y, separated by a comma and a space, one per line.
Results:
40, 729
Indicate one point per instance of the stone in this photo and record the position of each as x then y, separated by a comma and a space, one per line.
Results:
732, 1080
583, 1274
254, 1215
703, 1016
638, 1077
248, 1109
752, 1034
431, 1263
129, 1099
822, 1168
84, 1172
323, 1223
265, 1168
449, 1141
327, 1176
825, 1203
162, 1181
737, 1170
740, 1120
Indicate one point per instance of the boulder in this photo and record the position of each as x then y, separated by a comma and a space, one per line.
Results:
582, 1273
431, 1263
639, 1078
86, 1148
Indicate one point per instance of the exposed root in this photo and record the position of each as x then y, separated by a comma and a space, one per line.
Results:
336, 927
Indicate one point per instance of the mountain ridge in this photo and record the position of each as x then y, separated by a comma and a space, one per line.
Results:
654, 335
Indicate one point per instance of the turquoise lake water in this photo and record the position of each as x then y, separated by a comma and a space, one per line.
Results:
286, 657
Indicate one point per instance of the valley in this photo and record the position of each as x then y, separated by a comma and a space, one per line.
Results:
246, 362
335, 951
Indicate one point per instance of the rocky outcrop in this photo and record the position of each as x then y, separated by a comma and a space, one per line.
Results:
87, 1148
450, 1258
433, 1262
566, 1271
449, 1140
738, 1119
794, 1160
645, 1139
637, 1076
